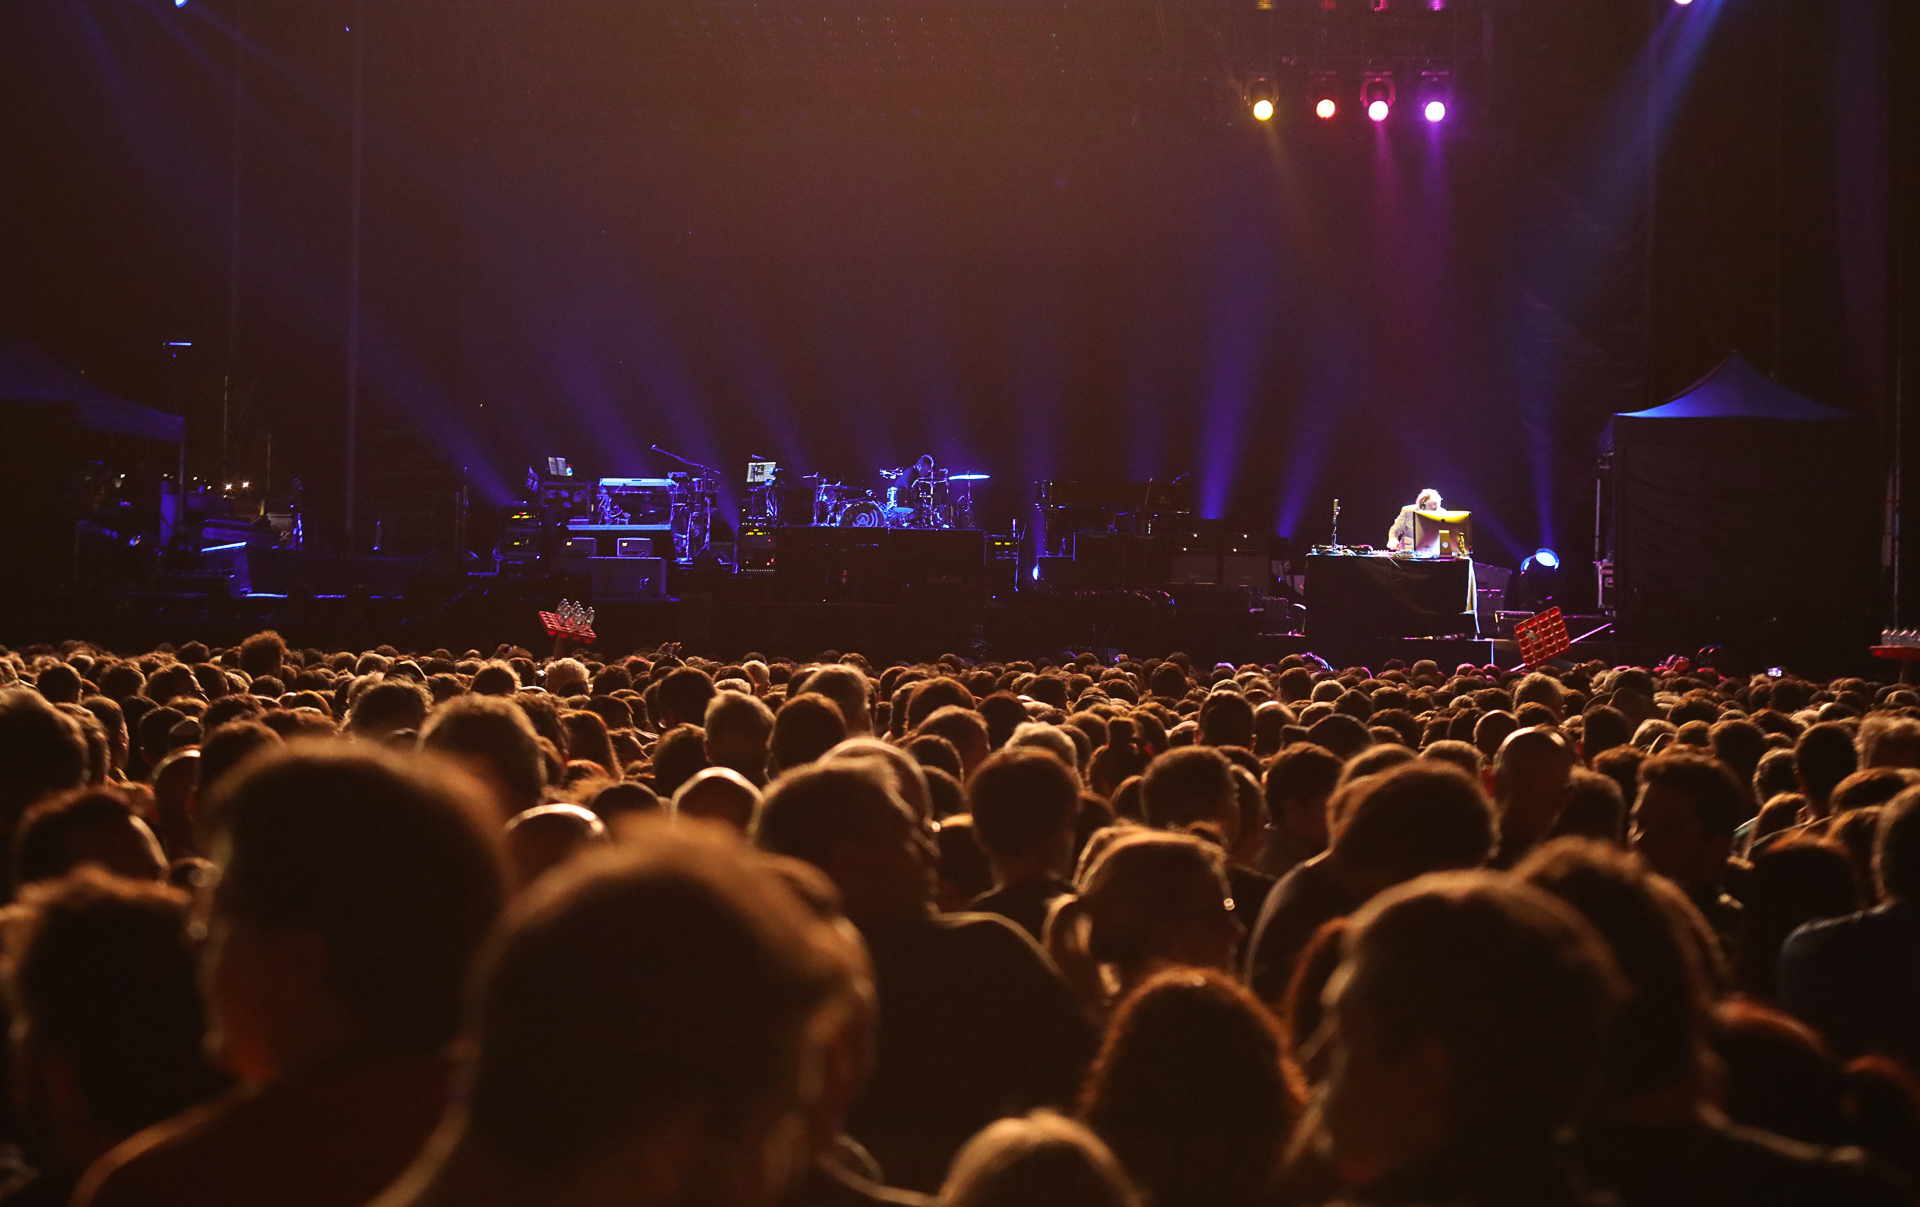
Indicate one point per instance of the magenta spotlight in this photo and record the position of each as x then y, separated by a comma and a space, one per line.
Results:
1436, 111
1378, 110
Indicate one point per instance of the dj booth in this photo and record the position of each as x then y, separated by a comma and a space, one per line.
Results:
1365, 597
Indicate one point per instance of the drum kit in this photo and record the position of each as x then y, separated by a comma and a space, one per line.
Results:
939, 499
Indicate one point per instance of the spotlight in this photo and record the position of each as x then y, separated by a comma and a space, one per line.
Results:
1536, 584
1377, 95
179, 3
1683, 3
1262, 96
1436, 95
1326, 88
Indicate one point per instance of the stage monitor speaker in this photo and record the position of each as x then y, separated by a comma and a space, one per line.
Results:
617, 578
581, 546
633, 546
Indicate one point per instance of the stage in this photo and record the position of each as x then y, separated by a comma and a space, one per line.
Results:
735, 615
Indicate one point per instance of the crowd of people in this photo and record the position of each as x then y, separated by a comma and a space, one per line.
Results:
326, 929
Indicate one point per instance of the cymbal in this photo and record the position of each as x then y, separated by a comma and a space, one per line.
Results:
967, 477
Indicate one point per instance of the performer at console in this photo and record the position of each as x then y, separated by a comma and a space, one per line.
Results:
1400, 536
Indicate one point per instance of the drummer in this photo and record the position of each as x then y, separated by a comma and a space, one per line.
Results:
922, 470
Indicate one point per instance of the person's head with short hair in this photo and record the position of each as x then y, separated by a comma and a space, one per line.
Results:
496, 678
739, 729
1896, 849
1530, 774
1189, 1093
1659, 1042
930, 696
684, 693
1536, 688
1469, 1019
113, 723
1226, 719
847, 819
679, 755
805, 728
1889, 741
1868, 787
1189, 786
707, 1001
1427, 500
1145, 900
1464, 755
566, 677
1056, 740
494, 739
1341, 733
1823, 755
1024, 803
1041, 1160
1373, 760
1594, 809
108, 1025
354, 888
546, 836
1602, 728
965, 728
1419, 817
262, 654
717, 794
88, 827
59, 684
848, 688
1491, 730
1684, 818
42, 751
1298, 782
1738, 743
387, 707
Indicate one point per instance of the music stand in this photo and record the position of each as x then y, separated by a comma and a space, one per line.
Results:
1442, 534
760, 473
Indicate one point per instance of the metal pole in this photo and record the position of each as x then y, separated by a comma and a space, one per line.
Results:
233, 236
353, 260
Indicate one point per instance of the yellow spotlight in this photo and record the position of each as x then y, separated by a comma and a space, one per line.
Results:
1262, 110
1326, 108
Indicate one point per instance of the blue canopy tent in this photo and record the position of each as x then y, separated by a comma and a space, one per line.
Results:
31, 380
1743, 511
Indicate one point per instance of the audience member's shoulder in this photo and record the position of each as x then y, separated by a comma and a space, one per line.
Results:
984, 932
1868, 927
160, 1165
1796, 1172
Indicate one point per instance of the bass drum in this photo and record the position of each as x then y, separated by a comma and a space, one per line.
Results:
860, 513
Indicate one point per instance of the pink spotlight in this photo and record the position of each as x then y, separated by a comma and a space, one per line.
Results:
1436, 111
1378, 110
1326, 108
